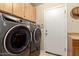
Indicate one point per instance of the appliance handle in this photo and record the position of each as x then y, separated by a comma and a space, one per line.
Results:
11, 18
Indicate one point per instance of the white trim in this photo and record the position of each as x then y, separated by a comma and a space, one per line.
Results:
8, 33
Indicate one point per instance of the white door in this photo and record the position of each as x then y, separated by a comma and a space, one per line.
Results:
55, 30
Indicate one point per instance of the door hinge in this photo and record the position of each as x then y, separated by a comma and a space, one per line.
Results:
64, 49
65, 11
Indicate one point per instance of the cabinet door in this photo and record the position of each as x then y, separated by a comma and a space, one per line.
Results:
76, 51
33, 13
30, 12
7, 7
1, 6
75, 47
27, 11
18, 9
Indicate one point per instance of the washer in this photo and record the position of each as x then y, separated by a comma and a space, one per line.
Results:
15, 36
35, 42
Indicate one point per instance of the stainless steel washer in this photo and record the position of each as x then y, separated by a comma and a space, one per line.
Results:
15, 36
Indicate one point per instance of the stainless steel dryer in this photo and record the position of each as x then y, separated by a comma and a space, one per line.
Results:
15, 36
36, 39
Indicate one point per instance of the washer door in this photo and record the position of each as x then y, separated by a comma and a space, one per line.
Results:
17, 39
37, 35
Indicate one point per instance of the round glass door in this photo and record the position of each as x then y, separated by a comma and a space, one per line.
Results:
17, 39
37, 35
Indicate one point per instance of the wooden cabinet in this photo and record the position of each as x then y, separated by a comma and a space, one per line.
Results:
27, 11
75, 47
33, 14
30, 12
18, 9
75, 51
7, 7
24, 10
1, 6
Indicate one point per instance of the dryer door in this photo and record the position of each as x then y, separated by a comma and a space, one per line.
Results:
37, 35
17, 39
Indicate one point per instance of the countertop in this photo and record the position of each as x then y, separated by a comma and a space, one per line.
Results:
74, 36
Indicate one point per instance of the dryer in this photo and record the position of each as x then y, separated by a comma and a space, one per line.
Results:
15, 36
36, 39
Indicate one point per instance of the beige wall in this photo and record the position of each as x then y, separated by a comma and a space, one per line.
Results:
39, 20
40, 17
73, 25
